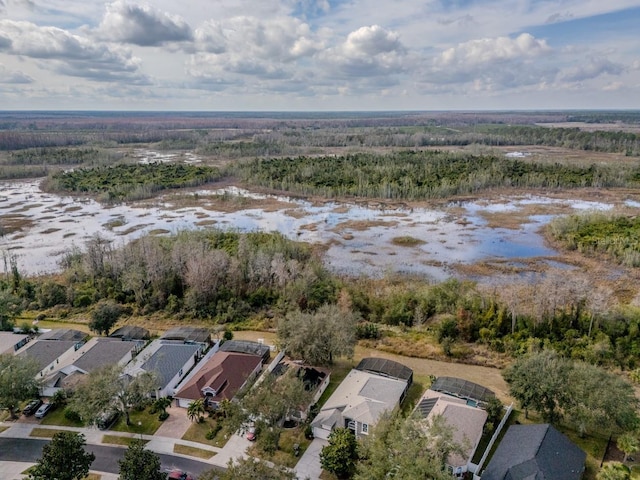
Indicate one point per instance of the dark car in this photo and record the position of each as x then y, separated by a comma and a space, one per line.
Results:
179, 475
107, 419
43, 410
32, 407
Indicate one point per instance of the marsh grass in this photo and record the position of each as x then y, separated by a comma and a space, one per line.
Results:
407, 241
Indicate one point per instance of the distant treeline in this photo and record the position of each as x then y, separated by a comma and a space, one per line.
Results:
130, 181
236, 135
414, 175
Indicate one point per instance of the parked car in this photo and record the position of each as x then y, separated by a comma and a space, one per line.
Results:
32, 407
180, 475
107, 419
43, 410
251, 434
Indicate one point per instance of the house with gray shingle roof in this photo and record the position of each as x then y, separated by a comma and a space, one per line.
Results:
49, 354
532, 452
97, 352
11, 342
359, 402
169, 360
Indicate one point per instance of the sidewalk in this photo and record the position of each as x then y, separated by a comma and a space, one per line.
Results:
234, 448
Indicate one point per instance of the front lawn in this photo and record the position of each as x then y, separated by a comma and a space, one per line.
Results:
56, 417
197, 432
142, 422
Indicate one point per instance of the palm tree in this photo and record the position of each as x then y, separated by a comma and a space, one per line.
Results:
614, 471
162, 403
195, 410
629, 444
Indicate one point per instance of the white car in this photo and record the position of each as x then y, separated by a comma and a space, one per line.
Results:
43, 410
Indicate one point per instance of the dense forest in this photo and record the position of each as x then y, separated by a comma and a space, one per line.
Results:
130, 181
415, 175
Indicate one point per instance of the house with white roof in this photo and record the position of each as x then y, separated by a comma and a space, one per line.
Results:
374, 387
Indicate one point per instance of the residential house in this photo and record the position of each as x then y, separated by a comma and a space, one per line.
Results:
97, 352
247, 346
169, 360
219, 378
535, 452
466, 421
12, 342
374, 387
48, 354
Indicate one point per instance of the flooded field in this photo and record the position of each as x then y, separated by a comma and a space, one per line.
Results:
38, 227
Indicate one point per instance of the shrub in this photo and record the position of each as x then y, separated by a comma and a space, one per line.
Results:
72, 415
163, 416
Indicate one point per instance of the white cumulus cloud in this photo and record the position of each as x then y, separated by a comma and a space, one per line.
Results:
142, 25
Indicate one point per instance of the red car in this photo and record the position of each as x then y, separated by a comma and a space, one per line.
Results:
180, 475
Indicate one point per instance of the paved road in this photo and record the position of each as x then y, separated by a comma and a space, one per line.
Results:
30, 450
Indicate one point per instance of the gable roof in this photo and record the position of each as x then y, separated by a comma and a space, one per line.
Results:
45, 352
10, 342
535, 452
105, 351
225, 372
168, 360
362, 396
467, 422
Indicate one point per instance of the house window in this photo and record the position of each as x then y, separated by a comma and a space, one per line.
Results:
365, 428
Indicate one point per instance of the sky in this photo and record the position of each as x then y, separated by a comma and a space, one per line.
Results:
319, 55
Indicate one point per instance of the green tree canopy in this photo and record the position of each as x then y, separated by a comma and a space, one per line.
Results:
249, 469
108, 388
64, 458
105, 316
406, 449
586, 396
17, 381
320, 336
140, 464
341, 454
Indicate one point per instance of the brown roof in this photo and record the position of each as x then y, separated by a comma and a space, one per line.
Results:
225, 372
